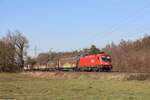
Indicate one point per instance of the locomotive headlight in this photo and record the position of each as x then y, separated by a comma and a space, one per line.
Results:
108, 57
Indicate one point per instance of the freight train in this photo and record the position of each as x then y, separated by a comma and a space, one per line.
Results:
97, 62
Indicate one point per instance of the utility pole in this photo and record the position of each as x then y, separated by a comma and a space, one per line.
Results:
35, 51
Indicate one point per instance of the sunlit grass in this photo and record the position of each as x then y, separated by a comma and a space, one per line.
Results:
24, 87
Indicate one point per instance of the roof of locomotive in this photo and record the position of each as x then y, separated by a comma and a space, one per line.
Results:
99, 54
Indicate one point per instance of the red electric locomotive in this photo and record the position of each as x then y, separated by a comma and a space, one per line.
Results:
98, 62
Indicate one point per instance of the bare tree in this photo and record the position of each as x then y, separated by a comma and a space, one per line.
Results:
7, 56
20, 42
131, 56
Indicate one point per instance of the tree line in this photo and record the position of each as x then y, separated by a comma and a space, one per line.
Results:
131, 56
127, 56
12, 52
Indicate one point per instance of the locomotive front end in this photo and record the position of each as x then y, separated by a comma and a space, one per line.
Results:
106, 62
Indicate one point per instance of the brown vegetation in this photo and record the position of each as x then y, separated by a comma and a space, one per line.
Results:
93, 75
12, 51
131, 56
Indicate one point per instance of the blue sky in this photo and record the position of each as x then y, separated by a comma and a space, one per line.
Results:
65, 25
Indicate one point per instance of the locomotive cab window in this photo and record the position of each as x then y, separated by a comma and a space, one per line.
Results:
106, 58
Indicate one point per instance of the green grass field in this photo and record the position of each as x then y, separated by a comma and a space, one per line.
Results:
25, 87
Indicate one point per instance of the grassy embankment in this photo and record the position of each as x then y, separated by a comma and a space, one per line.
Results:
25, 87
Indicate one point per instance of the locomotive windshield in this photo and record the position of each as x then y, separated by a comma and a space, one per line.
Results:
106, 58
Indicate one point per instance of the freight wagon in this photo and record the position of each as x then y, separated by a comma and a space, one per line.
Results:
97, 62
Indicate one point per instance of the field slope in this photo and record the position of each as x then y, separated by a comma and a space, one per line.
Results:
27, 87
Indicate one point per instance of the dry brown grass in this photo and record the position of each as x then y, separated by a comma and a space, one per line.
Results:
93, 75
